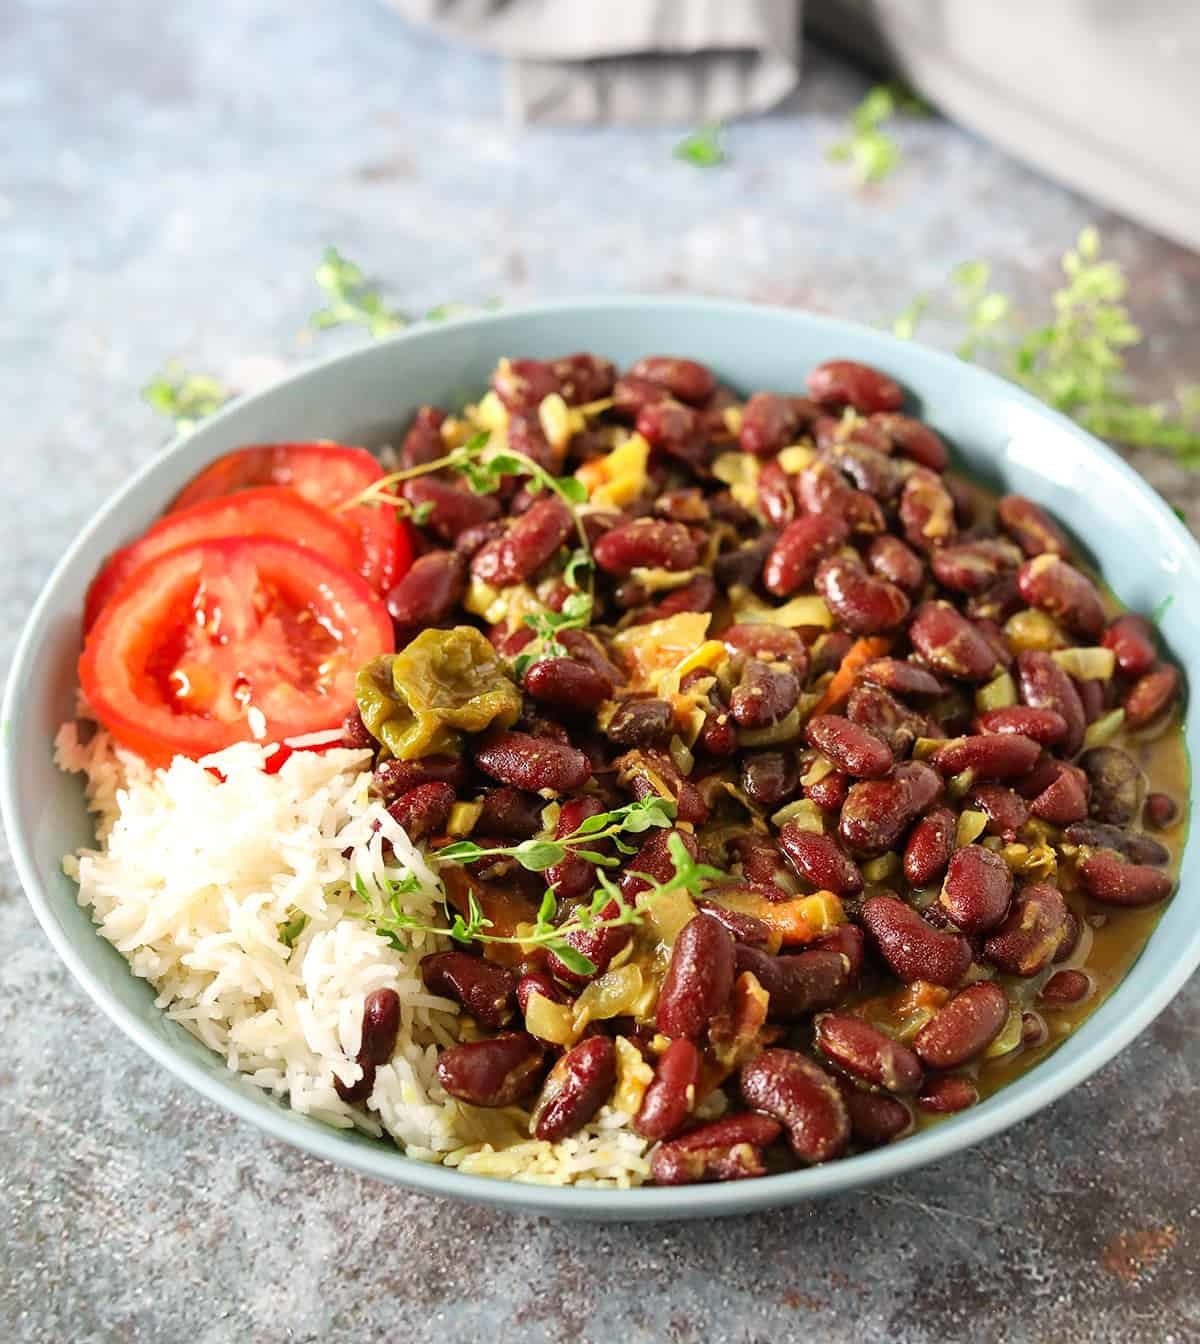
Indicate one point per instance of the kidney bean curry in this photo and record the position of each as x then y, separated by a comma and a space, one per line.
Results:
788, 790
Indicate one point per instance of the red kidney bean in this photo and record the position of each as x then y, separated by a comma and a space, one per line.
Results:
586, 649
646, 542
801, 547
380, 1026
1005, 809
775, 497
429, 592
743, 928
423, 441
359, 1090
698, 979
451, 509
423, 811
797, 985
393, 778
1109, 879
493, 1072
901, 677
537, 982
355, 734
951, 644
878, 811
686, 505
930, 846
1137, 848
510, 813
847, 941
522, 384
573, 876
845, 382
674, 428
964, 1028
640, 723
1044, 685
1065, 988
525, 435
764, 694
485, 990
833, 432
947, 1094
818, 859
744, 566
598, 945
1039, 779
729, 1149
1033, 1030
913, 949
671, 1095
891, 559
821, 488
1059, 589
1046, 726
682, 378
767, 641
1065, 800
875, 1118
1151, 695
1032, 933
632, 393
974, 566
803, 1098
1116, 782
1160, 811
872, 472
829, 792
1030, 527
896, 724
654, 859
865, 1052
575, 1089
913, 439
761, 859
770, 778
862, 604
769, 423
996, 603
584, 377
927, 511
849, 746
647, 774
1131, 639
1092, 697
977, 889
533, 763
996, 641
526, 546
567, 684
988, 755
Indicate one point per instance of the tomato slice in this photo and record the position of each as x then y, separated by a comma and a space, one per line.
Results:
268, 511
244, 639
326, 474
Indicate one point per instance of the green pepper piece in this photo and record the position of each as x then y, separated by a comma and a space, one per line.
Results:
444, 683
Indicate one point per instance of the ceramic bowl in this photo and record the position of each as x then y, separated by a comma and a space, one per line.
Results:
1001, 435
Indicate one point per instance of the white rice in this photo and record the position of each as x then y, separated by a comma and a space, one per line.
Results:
196, 875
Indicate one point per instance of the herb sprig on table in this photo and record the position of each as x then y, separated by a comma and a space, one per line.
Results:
184, 396
703, 147
1074, 360
387, 915
872, 151
351, 300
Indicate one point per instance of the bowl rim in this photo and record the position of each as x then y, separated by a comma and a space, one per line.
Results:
1043, 1084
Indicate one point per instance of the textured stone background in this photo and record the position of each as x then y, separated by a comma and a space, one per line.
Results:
168, 176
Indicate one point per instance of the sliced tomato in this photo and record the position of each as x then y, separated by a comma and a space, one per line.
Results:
245, 639
268, 511
326, 474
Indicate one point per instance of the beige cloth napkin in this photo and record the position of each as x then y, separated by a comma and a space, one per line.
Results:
596, 61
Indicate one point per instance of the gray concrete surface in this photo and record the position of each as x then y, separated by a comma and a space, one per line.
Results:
168, 176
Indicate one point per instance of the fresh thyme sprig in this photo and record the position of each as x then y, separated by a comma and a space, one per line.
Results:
575, 614
870, 150
351, 300
392, 922
702, 147
1075, 361
185, 397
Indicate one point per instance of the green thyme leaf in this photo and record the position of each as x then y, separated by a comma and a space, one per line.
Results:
1156, 616
702, 147
351, 300
572, 958
187, 398
537, 855
295, 926
870, 150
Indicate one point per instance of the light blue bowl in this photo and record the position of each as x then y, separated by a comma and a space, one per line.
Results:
1002, 436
